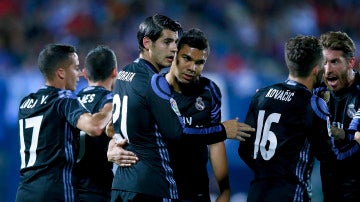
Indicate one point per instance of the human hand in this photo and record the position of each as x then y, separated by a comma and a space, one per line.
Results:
337, 133
237, 130
110, 129
117, 154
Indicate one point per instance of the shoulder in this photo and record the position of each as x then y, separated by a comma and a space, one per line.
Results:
160, 86
67, 94
209, 85
85, 90
134, 73
319, 106
206, 82
98, 91
266, 89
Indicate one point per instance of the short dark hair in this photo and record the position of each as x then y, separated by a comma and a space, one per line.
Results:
338, 41
194, 38
302, 53
153, 26
99, 63
52, 56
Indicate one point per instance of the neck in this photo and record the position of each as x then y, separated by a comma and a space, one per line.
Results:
55, 84
145, 56
172, 82
308, 82
107, 84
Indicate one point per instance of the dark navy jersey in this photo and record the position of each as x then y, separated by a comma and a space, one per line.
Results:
200, 106
93, 171
144, 113
292, 126
48, 144
341, 179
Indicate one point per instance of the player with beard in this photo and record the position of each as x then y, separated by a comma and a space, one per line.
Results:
341, 179
292, 127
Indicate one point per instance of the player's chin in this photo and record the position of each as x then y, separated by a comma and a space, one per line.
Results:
166, 64
186, 81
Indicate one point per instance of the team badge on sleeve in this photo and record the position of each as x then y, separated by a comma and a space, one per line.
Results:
174, 106
328, 126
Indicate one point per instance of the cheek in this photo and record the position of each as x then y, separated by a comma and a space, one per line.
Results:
343, 78
326, 68
77, 73
199, 70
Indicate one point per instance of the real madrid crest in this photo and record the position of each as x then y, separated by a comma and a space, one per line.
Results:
326, 96
199, 104
351, 110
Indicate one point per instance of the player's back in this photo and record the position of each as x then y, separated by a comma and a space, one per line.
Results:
93, 171
282, 116
134, 119
48, 144
287, 119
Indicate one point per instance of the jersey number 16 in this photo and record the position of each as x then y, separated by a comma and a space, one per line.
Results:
265, 136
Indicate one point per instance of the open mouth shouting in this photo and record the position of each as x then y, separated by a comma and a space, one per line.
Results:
332, 81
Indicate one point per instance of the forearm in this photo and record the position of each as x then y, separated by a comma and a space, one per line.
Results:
220, 169
94, 124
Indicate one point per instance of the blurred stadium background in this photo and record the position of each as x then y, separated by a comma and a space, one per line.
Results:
246, 39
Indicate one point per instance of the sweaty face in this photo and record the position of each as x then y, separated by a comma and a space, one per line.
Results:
162, 51
73, 72
337, 69
189, 64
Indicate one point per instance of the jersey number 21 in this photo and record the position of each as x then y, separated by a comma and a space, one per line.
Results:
117, 105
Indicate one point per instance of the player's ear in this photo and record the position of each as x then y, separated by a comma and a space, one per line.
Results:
84, 73
114, 72
146, 42
316, 70
60, 73
352, 62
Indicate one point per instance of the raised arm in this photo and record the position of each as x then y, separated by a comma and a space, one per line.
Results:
94, 124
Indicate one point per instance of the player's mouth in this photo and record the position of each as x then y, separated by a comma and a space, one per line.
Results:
188, 77
332, 81
170, 58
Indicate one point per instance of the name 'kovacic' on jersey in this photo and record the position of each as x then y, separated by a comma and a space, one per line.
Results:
280, 94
